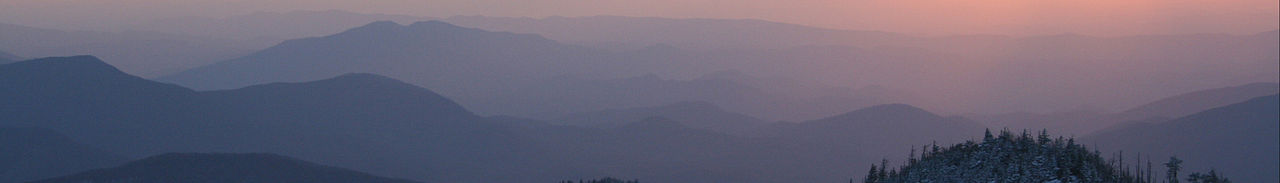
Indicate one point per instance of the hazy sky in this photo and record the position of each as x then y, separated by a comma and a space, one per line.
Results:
1095, 17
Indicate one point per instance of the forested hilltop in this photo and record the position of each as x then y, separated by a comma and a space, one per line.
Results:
1023, 158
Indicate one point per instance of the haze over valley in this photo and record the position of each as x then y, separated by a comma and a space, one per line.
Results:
384, 92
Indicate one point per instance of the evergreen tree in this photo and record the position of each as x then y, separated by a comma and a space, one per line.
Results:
884, 165
1211, 177
1174, 166
987, 137
1044, 137
871, 176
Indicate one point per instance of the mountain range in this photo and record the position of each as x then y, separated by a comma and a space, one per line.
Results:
440, 55
379, 125
618, 32
614, 32
984, 74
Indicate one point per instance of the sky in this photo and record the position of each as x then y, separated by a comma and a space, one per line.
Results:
924, 17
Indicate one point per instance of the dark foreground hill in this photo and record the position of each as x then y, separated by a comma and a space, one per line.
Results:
219, 168
28, 154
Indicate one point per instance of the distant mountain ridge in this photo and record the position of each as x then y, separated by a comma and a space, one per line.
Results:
428, 53
697, 34
217, 168
1190, 103
883, 119
503, 73
1085, 122
695, 114
148, 54
271, 26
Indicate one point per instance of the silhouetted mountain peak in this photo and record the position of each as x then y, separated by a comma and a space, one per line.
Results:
435, 25
886, 114
390, 29
73, 64
189, 157
349, 81
890, 110
80, 74
357, 91
379, 27
381, 24
363, 78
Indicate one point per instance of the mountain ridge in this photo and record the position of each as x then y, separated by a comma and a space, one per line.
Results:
1239, 138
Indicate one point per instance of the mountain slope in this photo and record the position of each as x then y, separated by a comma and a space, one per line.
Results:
212, 168
85, 98
33, 153
1084, 122
698, 115
1240, 138
1190, 103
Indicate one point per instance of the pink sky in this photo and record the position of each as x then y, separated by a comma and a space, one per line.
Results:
935, 17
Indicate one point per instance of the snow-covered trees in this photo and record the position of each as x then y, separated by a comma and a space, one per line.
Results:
1008, 158
1023, 158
